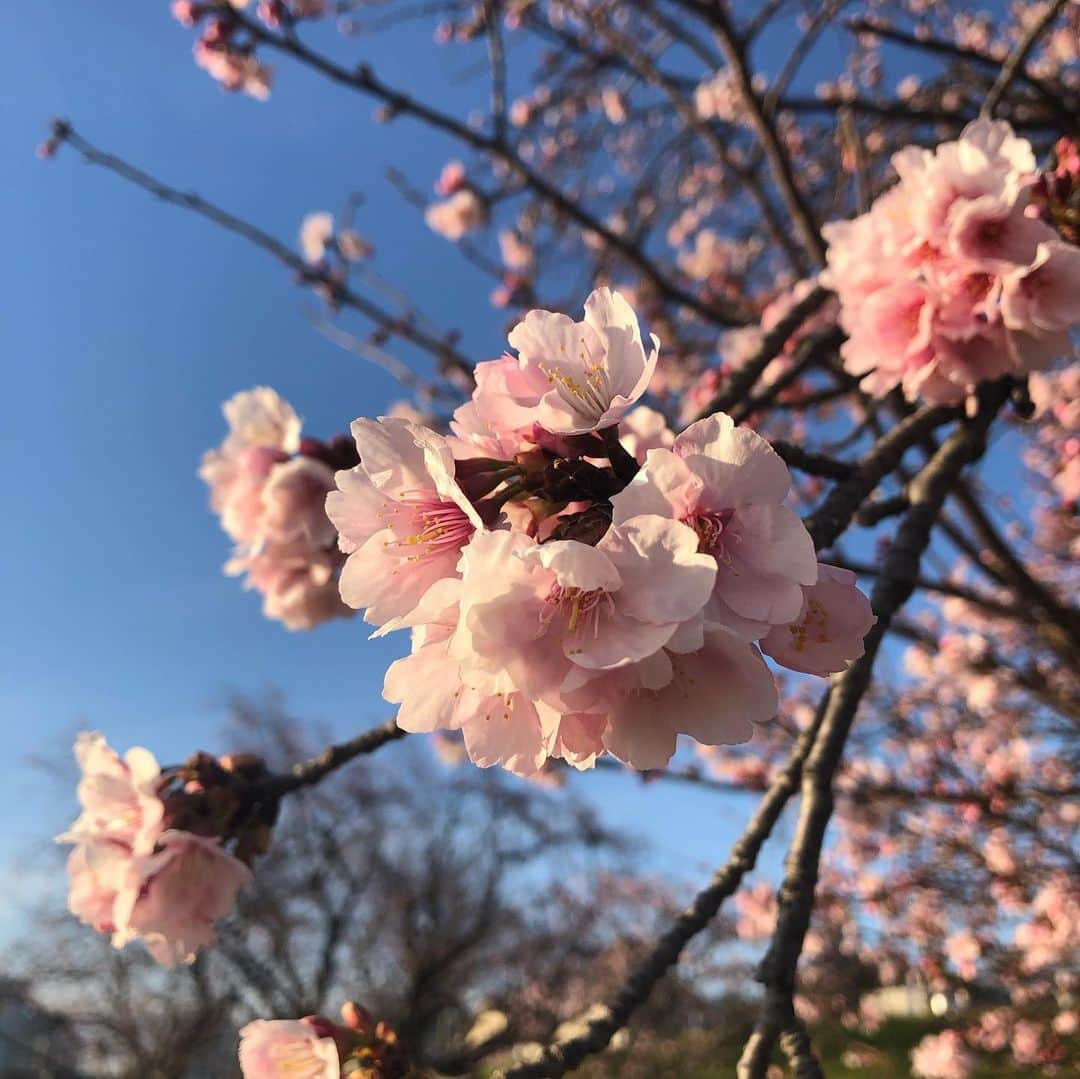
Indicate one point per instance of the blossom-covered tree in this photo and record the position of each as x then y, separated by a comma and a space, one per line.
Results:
818, 419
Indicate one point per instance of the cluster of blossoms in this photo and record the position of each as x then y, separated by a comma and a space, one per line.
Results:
1054, 454
317, 1048
951, 278
225, 54
462, 208
319, 237
268, 486
148, 861
566, 596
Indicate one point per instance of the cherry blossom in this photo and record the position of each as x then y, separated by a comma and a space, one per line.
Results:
729, 485
595, 369
292, 1048
316, 231
463, 212
172, 896
829, 630
948, 281
134, 876
271, 501
401, 517
942, 1056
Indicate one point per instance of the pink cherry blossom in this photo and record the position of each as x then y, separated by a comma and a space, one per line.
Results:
234, 69
451, 179
505, 728
287, 1049
715, 695
948, 280
500, 419
829, 630
119, 796
294, 504
1044, 297
401, 517
173, 895
756, 907
316, 231
299, 586
273, 507
595, 369
121, 819
263, 429
463, 212
942, 1056
97, 870
532, 614
729, 485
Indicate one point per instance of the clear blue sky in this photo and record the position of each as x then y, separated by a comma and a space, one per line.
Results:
126, 324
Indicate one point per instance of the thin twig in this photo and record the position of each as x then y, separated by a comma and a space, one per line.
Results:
308, 773
813, 464
1014, 65
364, 80
339, 292
834, 515
776, 154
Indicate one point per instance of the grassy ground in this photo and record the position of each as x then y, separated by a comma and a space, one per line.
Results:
697, 1055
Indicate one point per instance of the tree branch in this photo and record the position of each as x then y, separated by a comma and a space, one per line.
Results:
1017, 60
308, 773
561, 1056
900, 574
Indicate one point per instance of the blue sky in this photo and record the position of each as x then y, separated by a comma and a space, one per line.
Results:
126, 324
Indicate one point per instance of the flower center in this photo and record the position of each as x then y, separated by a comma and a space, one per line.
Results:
426, 527
582, 608
813, 626
713, 527
585, 386
294, 1058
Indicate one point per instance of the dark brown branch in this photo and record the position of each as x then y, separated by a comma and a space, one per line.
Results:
944, 588
813, 355
682, 104
900, 574
772, 344
906, 112
1061, 615
834, 515
951, 49
813, 464
308, 773
497, 60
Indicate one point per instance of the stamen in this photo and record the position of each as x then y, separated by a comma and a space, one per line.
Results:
591, 396
426, 526
713, 528
582, 608
815, 622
